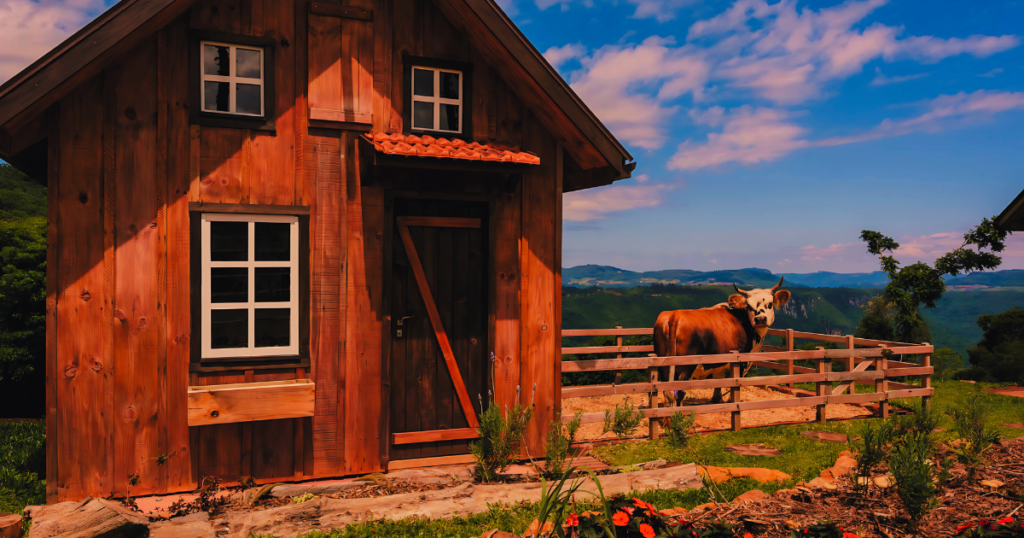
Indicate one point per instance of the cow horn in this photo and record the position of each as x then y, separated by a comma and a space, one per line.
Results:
738, 290
779, 285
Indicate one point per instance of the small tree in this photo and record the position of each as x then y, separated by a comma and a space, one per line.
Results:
946, 363
918, 283
1000, 354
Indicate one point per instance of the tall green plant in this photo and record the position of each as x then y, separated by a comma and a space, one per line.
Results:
677, 430
623, 420
971, 422
912, 471
559, 447
501, 435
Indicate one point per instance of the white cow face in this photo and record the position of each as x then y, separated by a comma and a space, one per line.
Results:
760, 304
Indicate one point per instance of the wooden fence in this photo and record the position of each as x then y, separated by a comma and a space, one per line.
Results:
867, 362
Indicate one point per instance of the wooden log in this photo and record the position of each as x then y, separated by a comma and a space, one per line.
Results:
90, 517
244, 402
431, 436
432, 462
10, 526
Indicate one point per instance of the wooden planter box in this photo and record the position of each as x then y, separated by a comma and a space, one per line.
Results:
246, 402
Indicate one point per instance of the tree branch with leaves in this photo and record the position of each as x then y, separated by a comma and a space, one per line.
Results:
919, 283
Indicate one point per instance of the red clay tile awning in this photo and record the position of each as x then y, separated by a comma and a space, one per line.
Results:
442, 148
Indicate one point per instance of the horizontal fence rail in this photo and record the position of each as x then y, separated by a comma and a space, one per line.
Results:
867, 362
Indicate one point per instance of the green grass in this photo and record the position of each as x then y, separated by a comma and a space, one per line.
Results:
802, 458
22, 465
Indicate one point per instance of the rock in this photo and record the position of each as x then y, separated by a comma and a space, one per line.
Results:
674, 512
652, 465
753, 450
721, 474
882, 481
939, 430
792, 525
846, 453
316, 488
495, 533
967, 381
87, 519
994, 484
821, 483
535, 529
753, 495
843, 466
831, 437
10, 526
706, 506
863, 480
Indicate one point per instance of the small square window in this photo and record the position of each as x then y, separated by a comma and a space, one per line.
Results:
232, 79
437, 99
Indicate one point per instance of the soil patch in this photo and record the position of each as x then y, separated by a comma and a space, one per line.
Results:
1007, 391
710, 421
831, 437
753, 450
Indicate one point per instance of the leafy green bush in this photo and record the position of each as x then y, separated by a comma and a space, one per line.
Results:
922, 420
998, 357
623, 420
873, 446
22, 465
677, 429
501, 435
560, 440
977, 435
912, 472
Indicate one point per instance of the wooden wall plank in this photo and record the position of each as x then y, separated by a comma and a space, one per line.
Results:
327, 287
406, 34
220, 15
325, 63
364, 325
160, 317
179, 330
220, 166
382, 68
54, 427
136, 343
539, 346
505, 305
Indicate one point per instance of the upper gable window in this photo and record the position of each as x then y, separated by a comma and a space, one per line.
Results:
232, 79
436, 99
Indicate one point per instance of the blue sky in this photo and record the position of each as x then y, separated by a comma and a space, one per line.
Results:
767, 133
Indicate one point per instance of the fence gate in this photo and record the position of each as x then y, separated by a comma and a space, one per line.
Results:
438, 327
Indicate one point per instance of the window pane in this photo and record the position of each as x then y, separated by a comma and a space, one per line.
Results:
216, 60
248, 63
273, 241
273, 327
229, 285
248, 99
449, 85
422, 115
217, 96
273, 284
449, 117
423, 82
229, 241
229, 329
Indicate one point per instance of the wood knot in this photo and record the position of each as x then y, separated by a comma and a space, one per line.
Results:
543, 327
71, 371
96, 365
83, 197
508, 359
119, 315
86, 296
285, 44
130, 114
142, 322
511, 277
472, 341
379, 236
130, 414
214, 413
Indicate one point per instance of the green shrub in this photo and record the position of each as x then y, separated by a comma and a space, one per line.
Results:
677, 429
560, 440
501, 435
873, 446
22, 465
911, 470
922, 420
623, 420
977, 435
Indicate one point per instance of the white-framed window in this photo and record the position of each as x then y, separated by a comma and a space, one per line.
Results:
437, 99
250, 285
232, 79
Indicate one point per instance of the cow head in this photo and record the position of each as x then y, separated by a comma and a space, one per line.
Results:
760, 304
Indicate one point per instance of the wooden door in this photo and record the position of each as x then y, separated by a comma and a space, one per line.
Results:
439, 351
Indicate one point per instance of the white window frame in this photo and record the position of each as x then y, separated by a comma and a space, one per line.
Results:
251, 305
437, 100
232, 79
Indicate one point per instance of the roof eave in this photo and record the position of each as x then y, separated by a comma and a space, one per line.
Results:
1012, 218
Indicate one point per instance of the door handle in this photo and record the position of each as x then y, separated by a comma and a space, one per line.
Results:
401, 320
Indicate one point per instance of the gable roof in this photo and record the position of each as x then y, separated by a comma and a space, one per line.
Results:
1012, 218
603, 158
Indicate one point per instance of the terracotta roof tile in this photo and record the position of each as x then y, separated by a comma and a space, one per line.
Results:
428, 146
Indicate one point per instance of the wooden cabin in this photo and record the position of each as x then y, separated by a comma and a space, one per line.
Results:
293, 239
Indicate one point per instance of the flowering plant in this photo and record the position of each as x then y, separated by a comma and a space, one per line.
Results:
1008, 527
823, 529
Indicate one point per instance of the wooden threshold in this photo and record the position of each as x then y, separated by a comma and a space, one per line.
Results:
431, 436
439, 461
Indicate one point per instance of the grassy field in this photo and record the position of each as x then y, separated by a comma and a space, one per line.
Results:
802, 458
22, 464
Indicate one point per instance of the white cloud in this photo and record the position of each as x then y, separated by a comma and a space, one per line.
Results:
882, 80
992, 73
789, 56
751, 136
628, 86
924, 248
37, 26
593, 204
662, 10
557, 56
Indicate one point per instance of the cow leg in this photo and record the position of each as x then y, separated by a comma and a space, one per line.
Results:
717, 396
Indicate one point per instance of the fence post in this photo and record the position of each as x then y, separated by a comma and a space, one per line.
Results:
653, 424
882, 385
851, 363
790, 346
736, 373
618, 342
926, 401
824, 387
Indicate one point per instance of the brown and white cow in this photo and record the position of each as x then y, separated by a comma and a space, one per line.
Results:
738, 325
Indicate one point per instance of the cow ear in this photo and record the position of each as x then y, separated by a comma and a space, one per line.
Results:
737, 301
782, 297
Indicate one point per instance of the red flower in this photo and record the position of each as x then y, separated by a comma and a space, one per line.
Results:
629, 510
620, 519
748, 535
962, 527
641, 504
1005, 520
646, 530
849, 535
572, 521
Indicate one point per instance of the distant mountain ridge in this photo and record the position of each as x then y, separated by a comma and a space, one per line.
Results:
606, 276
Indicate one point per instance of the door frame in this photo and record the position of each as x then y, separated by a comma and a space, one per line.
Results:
390, 196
